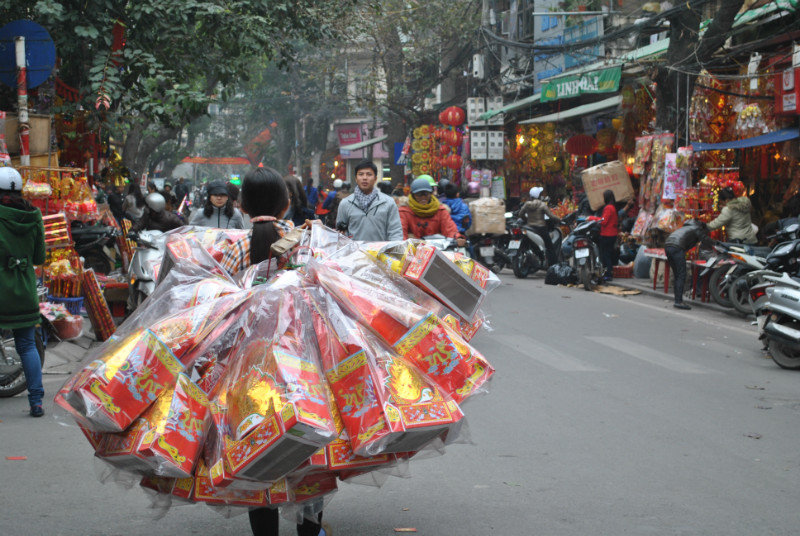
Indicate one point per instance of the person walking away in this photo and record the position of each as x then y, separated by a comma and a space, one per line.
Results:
735, 217
675, 247
368, 214
297, 200
181, 190
609, 229
459, 210
332, 200
115, 202
218, 211
426, 216
133, 207
534, 210
265, 199
233, 194
156, 217
152, 188
312, 197
21, 248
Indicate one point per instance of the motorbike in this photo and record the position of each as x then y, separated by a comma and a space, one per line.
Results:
778, 319
446, 244
144, 265
583, 252
12, 376
729, 263
486, 249
527, 249
94, 243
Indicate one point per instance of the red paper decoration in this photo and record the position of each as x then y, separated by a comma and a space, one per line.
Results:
452, 116
452, 138
581, 145
453, 161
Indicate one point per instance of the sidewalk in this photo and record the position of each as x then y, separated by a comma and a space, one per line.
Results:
646, 287
65, 357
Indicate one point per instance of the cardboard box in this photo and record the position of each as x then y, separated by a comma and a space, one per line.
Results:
609, 176
488, 216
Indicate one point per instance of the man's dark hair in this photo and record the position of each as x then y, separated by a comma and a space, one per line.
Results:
450, 191
366, 164
726, 194
385, 187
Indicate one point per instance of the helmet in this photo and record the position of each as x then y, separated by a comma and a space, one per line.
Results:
155, 201
428, 178
536, 191
421, 184
10, 179
338, 183
443, 184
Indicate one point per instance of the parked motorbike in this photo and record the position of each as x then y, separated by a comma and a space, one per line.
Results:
95, 243
581, 248
527, 249
485, 249
729, 262
143, 269
778, 320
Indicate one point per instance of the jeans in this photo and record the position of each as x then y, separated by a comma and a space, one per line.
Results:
607, 245
265, 522
677, 261
25, 343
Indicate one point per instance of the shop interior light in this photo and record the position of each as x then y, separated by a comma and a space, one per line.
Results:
333, 175
521, 139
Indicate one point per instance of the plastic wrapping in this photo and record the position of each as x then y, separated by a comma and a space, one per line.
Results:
266, 389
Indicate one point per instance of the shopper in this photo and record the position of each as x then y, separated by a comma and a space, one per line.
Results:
133, 207
297, 200
312, 197
21, 248
609, 230
675, 247
368, 214
535, 210
459, 210
156, 217
426, 216
181, 190
735, 217
218, 211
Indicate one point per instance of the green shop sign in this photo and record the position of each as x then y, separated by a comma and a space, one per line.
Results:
605, 81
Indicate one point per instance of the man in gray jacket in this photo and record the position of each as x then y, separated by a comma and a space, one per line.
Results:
368, 214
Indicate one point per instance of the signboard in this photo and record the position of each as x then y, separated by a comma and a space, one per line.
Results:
603, 81
787, 91
478, 145
548, 31
498, 187
495, 144
349, 134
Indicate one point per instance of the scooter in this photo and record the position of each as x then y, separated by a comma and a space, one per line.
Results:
528, 250
93, 243
730, 262
584, 253
778, 320
144, 265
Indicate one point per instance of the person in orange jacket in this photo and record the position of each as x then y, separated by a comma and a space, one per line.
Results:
426, 216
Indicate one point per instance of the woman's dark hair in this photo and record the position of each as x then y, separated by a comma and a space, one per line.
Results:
264, 193
151, 187
608, 197
297, 192
726, 194
233, 192
136, 192
15, 200
208, 208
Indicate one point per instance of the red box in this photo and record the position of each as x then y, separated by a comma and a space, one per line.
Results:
314, 486
622, 272
110, 393
447, 359
204, 491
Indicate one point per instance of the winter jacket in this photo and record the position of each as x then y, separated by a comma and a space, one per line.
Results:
610, 224
686, 237
458, 211
21, 247
439, 223
735, 216
379, 223
218, 219
534, 211
157, 221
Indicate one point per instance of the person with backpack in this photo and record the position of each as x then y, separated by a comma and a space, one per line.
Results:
21, 248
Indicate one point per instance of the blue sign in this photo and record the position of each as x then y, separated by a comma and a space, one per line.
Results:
40, 53
399, 157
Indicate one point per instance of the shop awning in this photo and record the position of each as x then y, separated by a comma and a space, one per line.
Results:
362, 144
584, 109
510, 107
765, 139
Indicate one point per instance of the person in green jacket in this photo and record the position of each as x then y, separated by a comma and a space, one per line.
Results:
735, 216
21, 247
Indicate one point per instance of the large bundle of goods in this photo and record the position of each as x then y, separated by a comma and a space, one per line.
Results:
265, 389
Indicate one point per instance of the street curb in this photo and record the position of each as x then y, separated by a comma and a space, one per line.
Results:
645, 286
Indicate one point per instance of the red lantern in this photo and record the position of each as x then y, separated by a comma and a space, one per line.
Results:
452, 138
453, 161
452, 116
581, 145
445, 149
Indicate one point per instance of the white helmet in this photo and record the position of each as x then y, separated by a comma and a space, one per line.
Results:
536, 191
10, 179
155, 201
338, 183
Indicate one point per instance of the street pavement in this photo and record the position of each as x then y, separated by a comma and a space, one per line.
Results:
607, 415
